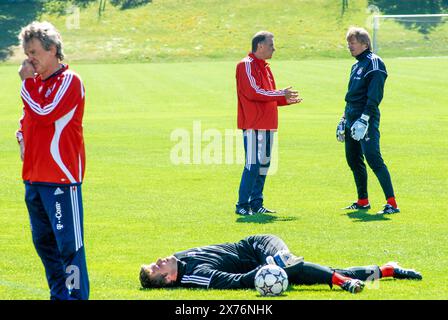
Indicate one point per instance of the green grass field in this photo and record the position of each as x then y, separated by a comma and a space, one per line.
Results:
139, 206
210, 30
199, 30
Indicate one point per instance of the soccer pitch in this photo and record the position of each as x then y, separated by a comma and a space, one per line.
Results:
139, 205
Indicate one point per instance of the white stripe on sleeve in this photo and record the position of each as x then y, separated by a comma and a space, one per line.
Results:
45, 110
269, 93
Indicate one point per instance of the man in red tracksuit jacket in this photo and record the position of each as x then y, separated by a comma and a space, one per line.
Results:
52, 150
258, 100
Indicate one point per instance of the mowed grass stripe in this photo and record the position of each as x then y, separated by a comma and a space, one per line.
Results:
139, 206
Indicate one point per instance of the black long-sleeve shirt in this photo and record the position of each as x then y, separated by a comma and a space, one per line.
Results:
234, 265
366, 87
227, 265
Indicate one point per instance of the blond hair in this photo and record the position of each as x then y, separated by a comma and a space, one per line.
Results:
361, 35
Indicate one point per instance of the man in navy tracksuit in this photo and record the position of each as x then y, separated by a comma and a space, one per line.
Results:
359, 127
234, 266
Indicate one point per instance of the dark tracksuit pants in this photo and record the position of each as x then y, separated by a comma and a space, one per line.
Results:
368, 148
56, 217
305, 273
257, 147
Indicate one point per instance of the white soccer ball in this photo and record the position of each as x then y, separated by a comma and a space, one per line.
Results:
271, 280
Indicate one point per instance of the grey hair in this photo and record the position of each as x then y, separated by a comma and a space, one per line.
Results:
46, 33
260, 37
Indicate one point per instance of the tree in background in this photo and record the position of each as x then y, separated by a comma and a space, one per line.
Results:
13, 16
394, 7
60, 6
126, 4
344, 6
101, 7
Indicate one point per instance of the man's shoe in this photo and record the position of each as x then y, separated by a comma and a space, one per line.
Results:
402, 273
388, 209
243, 211
353, 286
356, 206
264, 210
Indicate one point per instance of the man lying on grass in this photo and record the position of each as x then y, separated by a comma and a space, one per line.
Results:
234, 265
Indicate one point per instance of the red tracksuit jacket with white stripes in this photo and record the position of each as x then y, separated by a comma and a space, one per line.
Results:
51, 128
258, 98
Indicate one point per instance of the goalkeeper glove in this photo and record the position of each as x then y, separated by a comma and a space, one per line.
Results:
359, 128
284, 259
340, 130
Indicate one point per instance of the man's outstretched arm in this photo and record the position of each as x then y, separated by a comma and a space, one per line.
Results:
209, 278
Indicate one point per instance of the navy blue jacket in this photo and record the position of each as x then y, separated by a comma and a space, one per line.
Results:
366, 87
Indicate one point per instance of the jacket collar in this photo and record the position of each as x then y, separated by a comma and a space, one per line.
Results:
361, 56
59, 71
181, 268
262, 63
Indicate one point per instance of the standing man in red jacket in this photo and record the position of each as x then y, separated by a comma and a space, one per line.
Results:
258, 100
52, 150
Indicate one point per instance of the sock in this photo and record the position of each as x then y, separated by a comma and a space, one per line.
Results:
338, 279
392, 202
387, 271
363, 202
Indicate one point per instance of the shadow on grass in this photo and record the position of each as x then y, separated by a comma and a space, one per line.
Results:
311, 288
129, 4
14, 16
363, 216
263, 218
280, 296
160, 289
